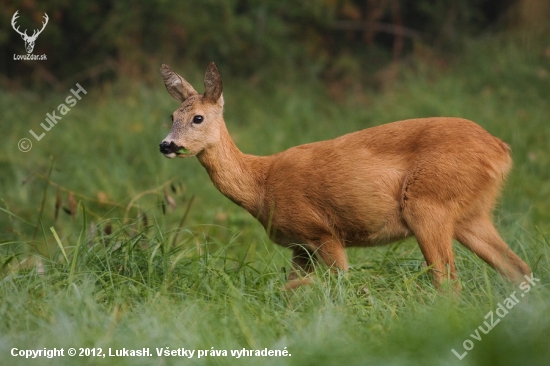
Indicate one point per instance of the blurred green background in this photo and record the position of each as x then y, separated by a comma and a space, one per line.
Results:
105, 243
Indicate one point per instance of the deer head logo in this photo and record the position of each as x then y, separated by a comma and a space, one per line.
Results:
29, 40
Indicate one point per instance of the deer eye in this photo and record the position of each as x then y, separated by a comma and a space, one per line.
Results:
198, 119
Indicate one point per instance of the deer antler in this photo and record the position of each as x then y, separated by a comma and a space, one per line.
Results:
13, 19
43, 26
24, 34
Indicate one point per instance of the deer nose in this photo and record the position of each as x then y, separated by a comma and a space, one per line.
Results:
165, 147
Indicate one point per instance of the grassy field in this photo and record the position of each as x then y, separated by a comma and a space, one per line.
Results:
107, 244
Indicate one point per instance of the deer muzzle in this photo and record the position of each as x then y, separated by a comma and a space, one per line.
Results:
171, 150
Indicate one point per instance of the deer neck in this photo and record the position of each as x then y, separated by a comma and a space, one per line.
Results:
240, 177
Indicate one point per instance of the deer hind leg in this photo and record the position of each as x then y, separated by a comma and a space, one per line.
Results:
480, 236
433, 229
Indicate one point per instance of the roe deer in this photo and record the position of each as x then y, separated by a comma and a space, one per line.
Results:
434, 178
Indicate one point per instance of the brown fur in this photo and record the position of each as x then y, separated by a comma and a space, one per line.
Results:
434, 178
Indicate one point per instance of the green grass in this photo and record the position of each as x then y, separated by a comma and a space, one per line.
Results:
128, 269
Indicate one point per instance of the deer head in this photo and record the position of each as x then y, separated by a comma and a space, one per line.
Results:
29, 40
198, 121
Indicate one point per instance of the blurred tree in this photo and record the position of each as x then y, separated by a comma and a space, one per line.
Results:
531, 14
102, 39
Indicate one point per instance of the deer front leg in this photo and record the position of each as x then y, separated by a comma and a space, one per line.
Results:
303, 261
329, 250
332, 252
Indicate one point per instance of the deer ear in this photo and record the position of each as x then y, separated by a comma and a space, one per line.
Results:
178, 88
213, 84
